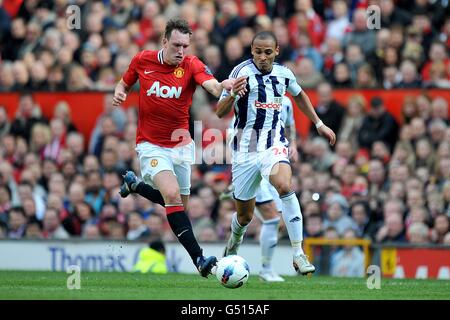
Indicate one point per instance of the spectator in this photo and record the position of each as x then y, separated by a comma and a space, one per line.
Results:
410, 77
332, 55
7, 80
330, 111
227, 21
409, 109
337, 214
322, 157
349, 261
375, 58
378, 125
441, 227
27, 189
58, 140
15, 39
152, 259
365, 77
352, 120
341, 76
28, 114
360, 35
4, 122
33, 231
52, 226
5, 202
92, 232
307, 75
306, 20
137, 230
354, 58
392, 230
340, 24
418, 233
116, 230
314, 226
306, 50
360, 213
198, 215
62, 111
392, 15
281, 33
40, 138
439, 109
17, 223
208, 234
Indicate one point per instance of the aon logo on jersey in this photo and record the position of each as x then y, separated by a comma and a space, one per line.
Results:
164, 91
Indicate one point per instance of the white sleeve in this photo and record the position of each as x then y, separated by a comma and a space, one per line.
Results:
292, 86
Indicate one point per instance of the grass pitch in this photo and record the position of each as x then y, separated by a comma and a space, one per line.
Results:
25, 285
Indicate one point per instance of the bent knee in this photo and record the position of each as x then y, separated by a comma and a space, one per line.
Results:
245, 219
283, 188
268, 210
171, 195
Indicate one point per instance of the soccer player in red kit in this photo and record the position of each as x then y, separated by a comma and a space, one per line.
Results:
168, 79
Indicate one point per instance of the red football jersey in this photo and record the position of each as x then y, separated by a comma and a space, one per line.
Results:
165, 96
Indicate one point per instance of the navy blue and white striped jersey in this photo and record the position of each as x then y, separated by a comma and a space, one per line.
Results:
257, 124
286, 117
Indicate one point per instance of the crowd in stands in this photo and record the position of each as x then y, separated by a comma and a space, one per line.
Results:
386, 181
43, 48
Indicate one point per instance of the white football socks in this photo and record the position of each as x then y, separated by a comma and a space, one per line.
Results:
237, 231
293, 220
268, 238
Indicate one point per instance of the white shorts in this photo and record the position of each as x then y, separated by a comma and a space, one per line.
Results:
249, 168
154, 159
266, 193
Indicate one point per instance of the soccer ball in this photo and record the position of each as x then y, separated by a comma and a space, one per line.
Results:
232, 271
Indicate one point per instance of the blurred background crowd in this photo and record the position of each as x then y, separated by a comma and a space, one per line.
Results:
384, 180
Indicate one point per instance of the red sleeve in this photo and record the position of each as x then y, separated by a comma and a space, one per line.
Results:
200, 71
131, 75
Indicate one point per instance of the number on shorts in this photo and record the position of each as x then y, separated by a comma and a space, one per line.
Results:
277, 151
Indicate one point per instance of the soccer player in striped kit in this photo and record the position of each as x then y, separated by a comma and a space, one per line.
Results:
268, 203
258, 144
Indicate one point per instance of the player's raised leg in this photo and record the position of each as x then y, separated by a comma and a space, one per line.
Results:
280, 178
132, 184
179, 222
268, 239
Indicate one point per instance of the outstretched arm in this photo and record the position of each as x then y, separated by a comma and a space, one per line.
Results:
225, 105
215, 87
305, 105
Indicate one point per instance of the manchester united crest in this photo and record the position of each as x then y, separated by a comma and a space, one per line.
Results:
179, 72
154, 163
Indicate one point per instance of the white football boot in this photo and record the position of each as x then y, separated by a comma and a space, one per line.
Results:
302, 265
270, 276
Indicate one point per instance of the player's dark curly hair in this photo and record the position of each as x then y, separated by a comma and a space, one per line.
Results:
180, 25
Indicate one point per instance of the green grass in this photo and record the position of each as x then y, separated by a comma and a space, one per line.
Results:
123, 286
